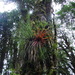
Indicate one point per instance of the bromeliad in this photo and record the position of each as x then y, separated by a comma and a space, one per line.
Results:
41, 37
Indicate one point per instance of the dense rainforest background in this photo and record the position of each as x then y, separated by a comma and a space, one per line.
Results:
37, 38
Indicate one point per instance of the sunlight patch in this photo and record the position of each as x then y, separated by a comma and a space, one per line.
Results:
7, 7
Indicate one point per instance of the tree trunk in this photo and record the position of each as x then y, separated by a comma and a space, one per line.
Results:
22, 8
48, 10
3, 51
49, 20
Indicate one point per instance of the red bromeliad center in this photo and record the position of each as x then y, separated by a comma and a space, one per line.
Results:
40, 37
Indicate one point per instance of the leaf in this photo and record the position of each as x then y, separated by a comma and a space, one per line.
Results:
73, 28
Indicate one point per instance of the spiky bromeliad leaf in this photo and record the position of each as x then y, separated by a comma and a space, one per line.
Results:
24, 30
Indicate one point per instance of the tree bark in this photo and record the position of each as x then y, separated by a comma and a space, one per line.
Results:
23, 10
48, 10
3, 51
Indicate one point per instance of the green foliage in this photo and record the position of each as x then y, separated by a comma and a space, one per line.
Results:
73, 28
72, 4
66, 9
54, 46
42, 53
51, 71
24, 30
62, 13
39, 24
13, 72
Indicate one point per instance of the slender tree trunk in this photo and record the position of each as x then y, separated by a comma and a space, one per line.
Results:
14, 55
3, 51
1, 60
48, 10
